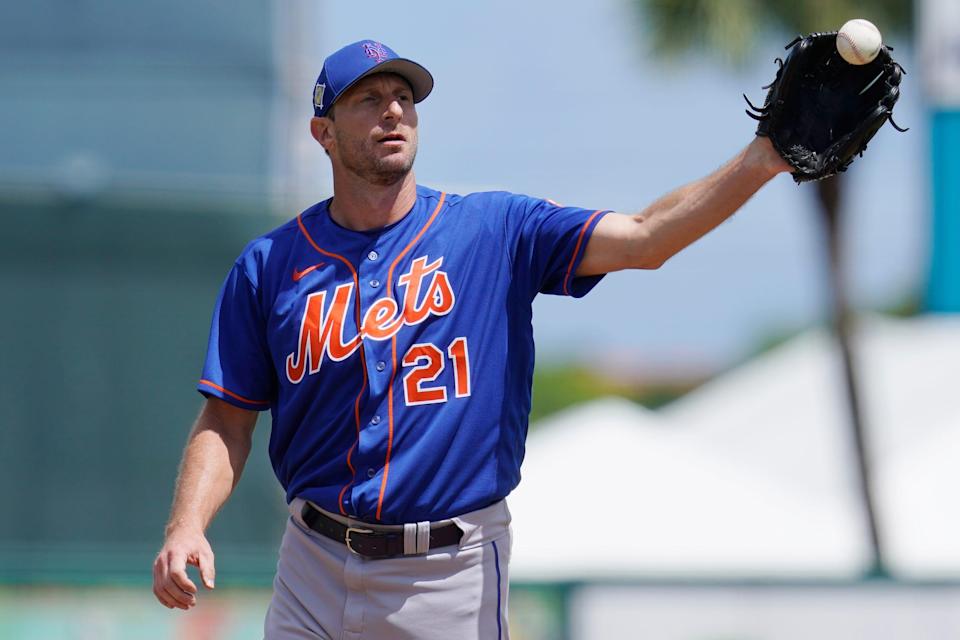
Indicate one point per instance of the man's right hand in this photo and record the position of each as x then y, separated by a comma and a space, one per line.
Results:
216, 451
171, 584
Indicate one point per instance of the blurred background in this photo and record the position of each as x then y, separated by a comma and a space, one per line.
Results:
759, 440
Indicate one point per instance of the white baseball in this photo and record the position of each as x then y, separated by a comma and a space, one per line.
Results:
859, 41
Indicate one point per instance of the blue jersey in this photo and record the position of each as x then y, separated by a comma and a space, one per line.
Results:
397, 363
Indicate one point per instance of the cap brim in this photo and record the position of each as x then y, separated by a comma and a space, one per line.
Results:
419, 78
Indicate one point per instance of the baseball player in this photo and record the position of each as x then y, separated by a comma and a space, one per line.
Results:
388, 332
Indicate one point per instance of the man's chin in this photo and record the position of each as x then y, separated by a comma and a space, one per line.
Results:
387, 175
392, 169
386, 170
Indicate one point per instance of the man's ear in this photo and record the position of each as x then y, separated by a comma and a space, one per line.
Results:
320, 130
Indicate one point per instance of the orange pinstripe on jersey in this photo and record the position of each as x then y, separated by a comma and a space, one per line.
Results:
232, 394
363, 359
393, 374
576, 251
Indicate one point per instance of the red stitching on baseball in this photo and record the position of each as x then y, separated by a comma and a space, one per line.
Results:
860, 57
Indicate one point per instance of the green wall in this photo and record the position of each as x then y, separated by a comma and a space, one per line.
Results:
103, 324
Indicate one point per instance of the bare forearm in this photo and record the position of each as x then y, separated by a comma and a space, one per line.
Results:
212, 463
686, 214
648, 239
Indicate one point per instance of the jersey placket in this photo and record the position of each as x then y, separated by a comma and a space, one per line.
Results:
372, 442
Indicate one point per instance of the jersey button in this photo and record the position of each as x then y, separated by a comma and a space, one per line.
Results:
373, 255
371, 472
375, 420
381, 365
374, 283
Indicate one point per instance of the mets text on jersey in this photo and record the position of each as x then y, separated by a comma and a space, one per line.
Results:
321, 328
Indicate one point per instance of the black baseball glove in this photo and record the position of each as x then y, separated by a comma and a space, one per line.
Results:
821, 111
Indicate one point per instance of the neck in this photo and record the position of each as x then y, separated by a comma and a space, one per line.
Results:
361, 206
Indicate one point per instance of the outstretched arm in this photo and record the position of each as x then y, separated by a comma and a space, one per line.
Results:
213, 460
648, 239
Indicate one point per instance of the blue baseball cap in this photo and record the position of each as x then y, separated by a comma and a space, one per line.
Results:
344, 68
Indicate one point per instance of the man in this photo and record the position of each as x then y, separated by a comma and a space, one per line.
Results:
388, 331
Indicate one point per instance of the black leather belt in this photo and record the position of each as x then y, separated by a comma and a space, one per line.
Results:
370, 543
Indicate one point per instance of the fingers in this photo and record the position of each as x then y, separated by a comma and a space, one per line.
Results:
171, 584
208, 572
165, 590
174, 586
177, 574
158, 591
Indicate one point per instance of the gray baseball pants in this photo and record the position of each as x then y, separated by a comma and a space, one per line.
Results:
324, 591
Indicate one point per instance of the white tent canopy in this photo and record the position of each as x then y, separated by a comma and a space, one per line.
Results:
753, 474
921, 509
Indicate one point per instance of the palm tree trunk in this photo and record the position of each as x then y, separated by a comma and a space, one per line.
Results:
828, 194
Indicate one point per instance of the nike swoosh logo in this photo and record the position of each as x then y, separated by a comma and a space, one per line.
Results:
297, 275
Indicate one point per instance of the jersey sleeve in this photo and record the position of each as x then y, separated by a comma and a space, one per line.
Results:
238, 367
550, 243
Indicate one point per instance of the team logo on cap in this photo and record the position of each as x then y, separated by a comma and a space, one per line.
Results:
318, 95
375, 50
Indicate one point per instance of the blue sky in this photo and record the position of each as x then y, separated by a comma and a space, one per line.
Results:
562, 100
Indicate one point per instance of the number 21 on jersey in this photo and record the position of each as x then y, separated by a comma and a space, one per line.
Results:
428, 362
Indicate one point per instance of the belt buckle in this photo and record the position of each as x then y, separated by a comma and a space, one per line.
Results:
347, 541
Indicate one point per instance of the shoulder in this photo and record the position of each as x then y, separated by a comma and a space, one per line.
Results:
264, 250
479, 201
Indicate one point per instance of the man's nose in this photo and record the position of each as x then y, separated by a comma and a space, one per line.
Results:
394, 110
